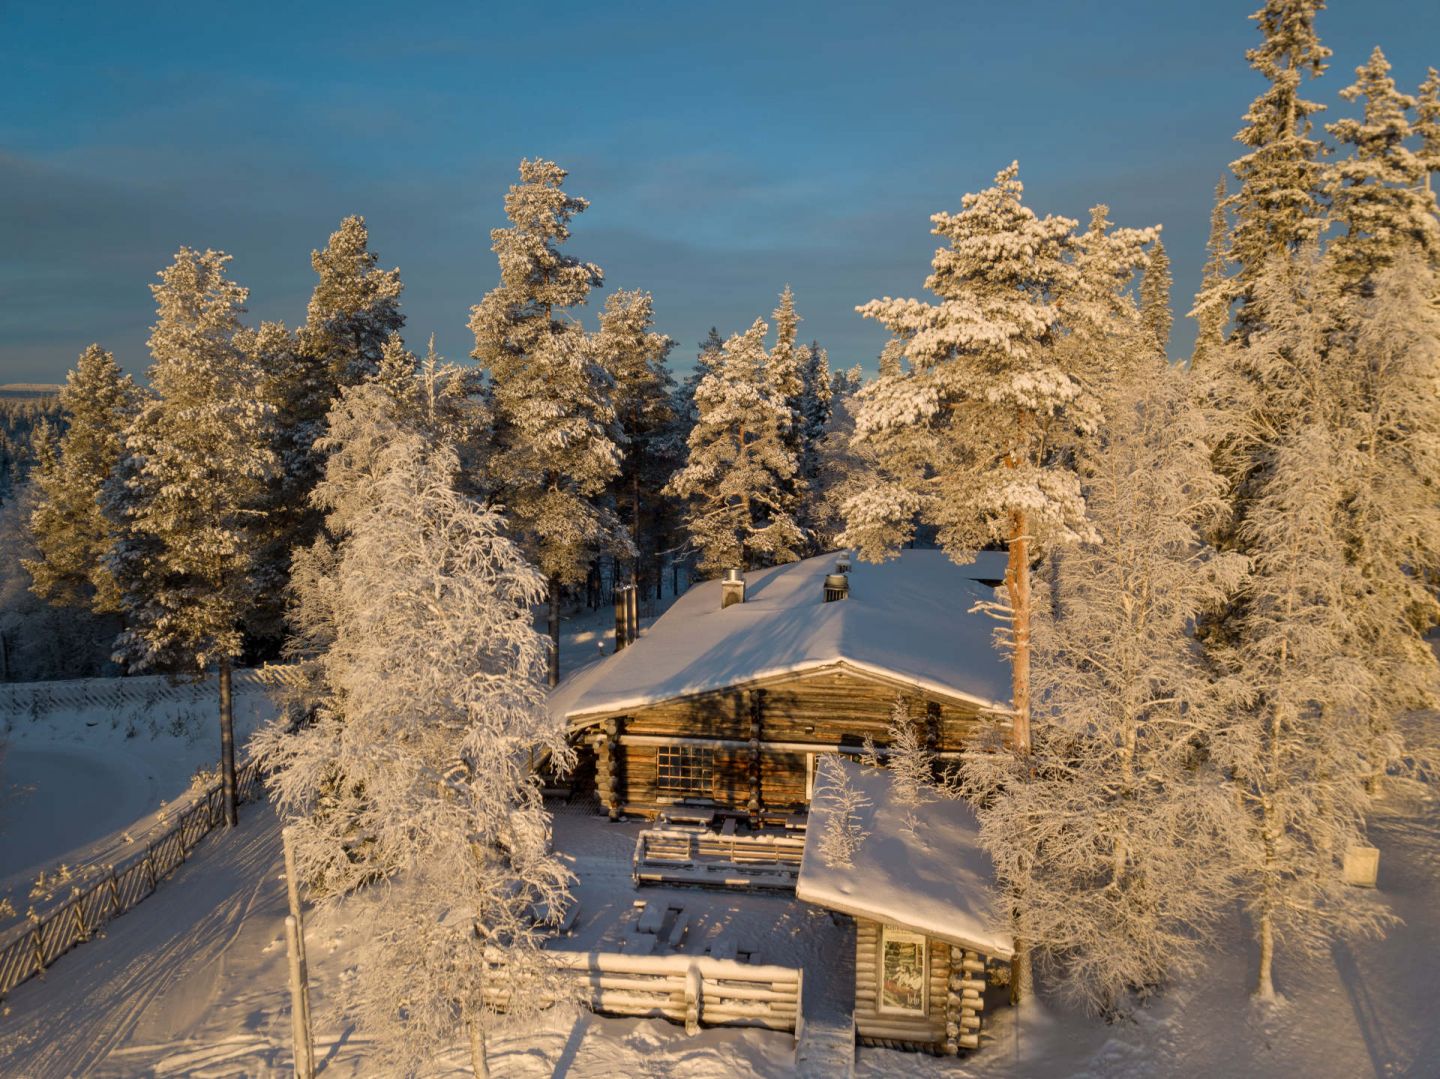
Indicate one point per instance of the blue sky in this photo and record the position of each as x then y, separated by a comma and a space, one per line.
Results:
727, 148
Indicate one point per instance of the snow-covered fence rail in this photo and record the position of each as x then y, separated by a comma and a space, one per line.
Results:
690, 856
39, 698
106, 891
694, 990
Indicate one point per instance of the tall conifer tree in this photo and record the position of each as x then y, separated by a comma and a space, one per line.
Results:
739, 467
71, 533
190, 490
556, 442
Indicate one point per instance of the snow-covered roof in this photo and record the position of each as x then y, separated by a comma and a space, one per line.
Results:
935, 879
906, 619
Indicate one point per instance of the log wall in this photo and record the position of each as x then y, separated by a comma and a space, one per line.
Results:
760, 736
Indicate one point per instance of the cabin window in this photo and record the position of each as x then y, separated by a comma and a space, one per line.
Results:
685, 770
904, 973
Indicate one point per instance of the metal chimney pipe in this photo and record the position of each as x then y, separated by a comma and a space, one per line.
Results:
732, 588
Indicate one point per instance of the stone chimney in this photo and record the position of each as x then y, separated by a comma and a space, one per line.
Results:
732, 588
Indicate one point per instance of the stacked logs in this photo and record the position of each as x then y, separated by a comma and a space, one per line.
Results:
607, 766
965, 1000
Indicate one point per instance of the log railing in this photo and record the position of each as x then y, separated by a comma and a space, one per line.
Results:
693, 990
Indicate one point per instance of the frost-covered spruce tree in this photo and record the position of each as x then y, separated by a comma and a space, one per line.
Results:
785, 370
634, 354
435, 840
186, 501
843, 464
964, 437
1120, 834
70, 532
1211, 310
1279, 206
1291, 647
1390, 419
736, 478
556, 442
816, 393
1155, 297
706, 360
1377, 191
1427, 124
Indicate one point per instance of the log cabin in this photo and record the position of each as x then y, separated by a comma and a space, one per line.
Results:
921, 891
723, 705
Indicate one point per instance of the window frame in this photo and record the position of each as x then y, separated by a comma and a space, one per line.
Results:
689, 771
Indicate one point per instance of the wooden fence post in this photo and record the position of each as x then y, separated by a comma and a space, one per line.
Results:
114, 892
292, 888
297, 1001
694, 987
38, 943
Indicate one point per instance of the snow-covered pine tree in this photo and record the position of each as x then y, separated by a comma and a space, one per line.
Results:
1118, 836
964, 437
785, 370
1278, 207
71, 534
634, 354
1378, 192
297, 387
735, 478
354, 309
431, 709
1211, 311
556, 443
187, 498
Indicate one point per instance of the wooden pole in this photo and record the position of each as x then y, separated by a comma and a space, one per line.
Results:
297, 1000
554, 627
292, 887
227, 745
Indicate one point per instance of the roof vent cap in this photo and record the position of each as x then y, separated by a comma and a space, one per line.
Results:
837, 586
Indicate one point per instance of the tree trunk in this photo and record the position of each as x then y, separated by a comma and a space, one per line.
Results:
227, 746
1017, 586
1265, 988
479, 1062
554, 631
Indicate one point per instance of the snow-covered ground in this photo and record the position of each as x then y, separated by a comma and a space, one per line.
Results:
76, 780
193, 983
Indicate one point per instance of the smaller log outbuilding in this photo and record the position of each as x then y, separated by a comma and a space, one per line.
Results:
921, 891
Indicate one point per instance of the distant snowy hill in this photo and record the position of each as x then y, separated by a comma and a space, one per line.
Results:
27, 391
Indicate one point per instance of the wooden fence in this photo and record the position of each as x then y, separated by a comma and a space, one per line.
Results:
694, 990
38, 698
107, 891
